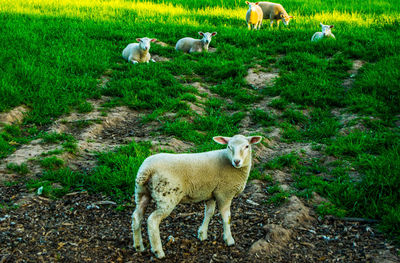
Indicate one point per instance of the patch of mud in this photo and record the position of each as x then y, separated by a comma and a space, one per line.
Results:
15, 115
258, 78
348, 82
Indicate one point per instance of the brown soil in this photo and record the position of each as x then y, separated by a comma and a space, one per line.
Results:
84, 228
13, 116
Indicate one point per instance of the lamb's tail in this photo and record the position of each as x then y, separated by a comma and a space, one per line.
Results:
144, 174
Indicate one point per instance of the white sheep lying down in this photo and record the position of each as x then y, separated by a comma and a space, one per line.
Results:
326, 33
169, 179
138, 52
190, 45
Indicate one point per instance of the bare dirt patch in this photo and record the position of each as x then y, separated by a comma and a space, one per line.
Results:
348, 82
15, 115
259, 77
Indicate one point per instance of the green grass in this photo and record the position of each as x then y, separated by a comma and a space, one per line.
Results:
115, 174
53, 54
21, 169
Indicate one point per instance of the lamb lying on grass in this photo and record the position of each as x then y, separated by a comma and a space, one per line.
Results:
254, 16
138, 52
273, 11
169, 179
326, 32
190, 45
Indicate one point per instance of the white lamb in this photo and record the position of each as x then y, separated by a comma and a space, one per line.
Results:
273, 11
169, 179
254, 16
138, 52
190, 45
326, 32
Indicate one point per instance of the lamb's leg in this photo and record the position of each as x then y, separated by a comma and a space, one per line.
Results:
130, 59
277, 23
271, 22
208, 213
224, 206
141, 200
153, 227
249, 26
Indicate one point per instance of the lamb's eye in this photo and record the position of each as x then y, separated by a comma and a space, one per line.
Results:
247, 146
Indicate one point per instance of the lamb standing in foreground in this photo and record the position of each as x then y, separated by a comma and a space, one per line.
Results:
254, 16
169, 179
190, 45
273, 11
138, 52
326, 32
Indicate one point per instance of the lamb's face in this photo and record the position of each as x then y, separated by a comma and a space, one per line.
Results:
326, 29
252, 6
207, 37
239, 148
144, 43
286, 19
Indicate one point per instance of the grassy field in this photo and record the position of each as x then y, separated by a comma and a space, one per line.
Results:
53, 53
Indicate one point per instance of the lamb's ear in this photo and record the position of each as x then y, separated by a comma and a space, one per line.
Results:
201, 34
138, 39
221, 140
257, 3
153, 40
213, 34
254, 139
331, 26
247, 2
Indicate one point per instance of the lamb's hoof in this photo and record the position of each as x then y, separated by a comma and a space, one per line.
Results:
152, 60
139, 248
159, 254
229, 241
202, 235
